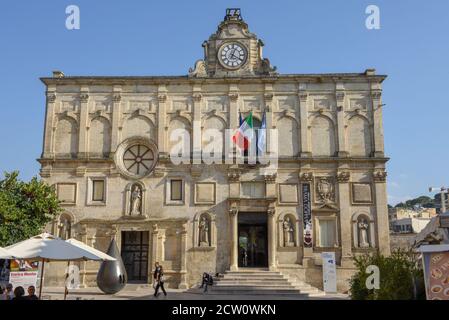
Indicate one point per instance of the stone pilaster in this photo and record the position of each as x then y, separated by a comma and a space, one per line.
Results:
84, 118
116, 115
272, 265
378, 124
233, 215
197, 99
183, 283
161, 120
380, 189
154, 246
340, 98
343, 177
304, 118
49, 123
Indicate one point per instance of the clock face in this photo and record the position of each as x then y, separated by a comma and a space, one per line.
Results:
232, 55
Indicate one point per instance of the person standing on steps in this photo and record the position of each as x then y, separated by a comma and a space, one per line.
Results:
159, 279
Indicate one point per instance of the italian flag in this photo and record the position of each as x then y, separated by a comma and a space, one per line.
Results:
245, 133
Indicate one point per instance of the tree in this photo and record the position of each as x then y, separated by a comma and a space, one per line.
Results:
400, 277
423, 201
25, 208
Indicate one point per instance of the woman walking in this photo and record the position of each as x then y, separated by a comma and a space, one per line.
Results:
159, 279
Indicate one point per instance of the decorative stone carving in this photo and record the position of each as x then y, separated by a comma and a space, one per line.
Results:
117, 97
266, 68
379, 176
197, 97
363, 227
162, 98
203, 234
271, 211
136, 200
303, 95
51, 97
340, 95
199, 70
343, 176
270, 178
233, 176
289, 232
376, 94
233, 96
306, 177
325, 190
268, 96
84, 97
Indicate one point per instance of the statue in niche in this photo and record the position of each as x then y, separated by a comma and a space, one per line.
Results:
64, 228
289, 238
363, 233
136, 200
204, 232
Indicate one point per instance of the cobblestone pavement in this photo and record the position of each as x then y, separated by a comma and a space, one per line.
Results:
139, 292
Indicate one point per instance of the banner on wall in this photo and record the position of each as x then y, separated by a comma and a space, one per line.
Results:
23, 273
307, 215
329, 272
436, 271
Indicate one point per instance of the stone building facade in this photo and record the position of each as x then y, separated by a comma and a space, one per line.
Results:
107, 145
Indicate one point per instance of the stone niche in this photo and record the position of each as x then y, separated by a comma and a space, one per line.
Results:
205, 193
361, 193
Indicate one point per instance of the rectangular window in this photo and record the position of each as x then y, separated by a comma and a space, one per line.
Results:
327, 233
97, 190
176, 190
255, 190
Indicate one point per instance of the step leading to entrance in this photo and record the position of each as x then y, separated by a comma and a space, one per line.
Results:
261, 282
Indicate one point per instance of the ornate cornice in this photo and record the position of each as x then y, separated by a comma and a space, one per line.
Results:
270, 178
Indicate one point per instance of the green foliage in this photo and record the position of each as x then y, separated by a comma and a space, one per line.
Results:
25, 208
423, 201
400, 277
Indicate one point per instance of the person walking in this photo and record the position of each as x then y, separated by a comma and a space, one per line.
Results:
159, 279
207, 281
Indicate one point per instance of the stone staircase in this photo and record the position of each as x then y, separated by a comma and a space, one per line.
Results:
260, 282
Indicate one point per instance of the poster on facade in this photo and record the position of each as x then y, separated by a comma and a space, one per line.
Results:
23, 273
436, 273
307, 215
329, 272
4, 272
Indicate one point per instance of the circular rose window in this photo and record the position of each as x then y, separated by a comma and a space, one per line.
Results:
136, 157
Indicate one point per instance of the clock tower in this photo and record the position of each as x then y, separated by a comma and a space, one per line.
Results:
232, 51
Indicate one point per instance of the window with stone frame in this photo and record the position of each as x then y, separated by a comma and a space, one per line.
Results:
327, 234
98, 190
176, 190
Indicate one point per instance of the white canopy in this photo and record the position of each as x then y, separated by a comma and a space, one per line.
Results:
94, 251
434, 248
50, 248
4, 254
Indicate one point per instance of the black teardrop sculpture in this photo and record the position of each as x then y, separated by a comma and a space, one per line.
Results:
112, 277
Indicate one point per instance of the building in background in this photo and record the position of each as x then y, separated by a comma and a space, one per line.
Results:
107, 146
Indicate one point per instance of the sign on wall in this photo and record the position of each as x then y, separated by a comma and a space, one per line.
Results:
329, 272
436, 273
307, 215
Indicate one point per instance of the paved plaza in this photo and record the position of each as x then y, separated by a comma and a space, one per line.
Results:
143, 292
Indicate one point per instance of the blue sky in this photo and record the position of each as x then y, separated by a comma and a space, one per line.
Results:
164, 38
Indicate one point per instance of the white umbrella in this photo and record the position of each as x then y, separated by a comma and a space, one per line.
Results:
46, 247
4, 254
94, 251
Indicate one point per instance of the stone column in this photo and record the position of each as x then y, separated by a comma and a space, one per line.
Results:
340, 97
233, 214
345, 216
272, 265
116, 116
183, 283
378, 125
84, 118
303, 116
161, 120
383, 230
